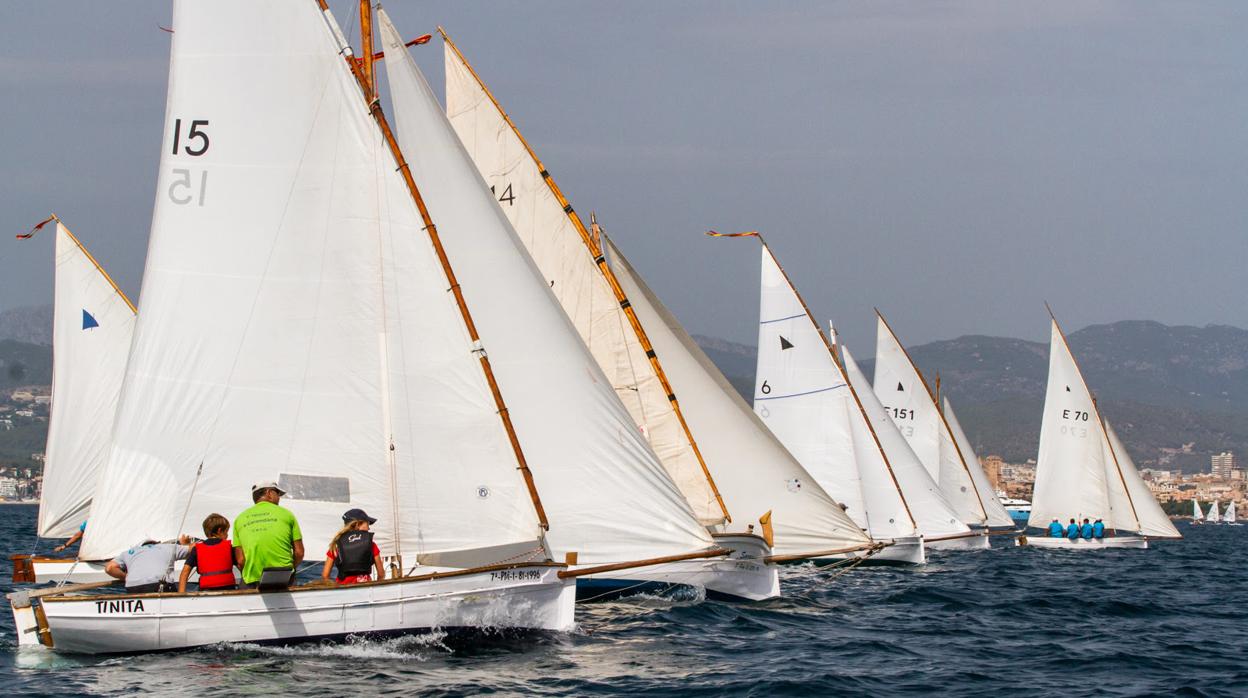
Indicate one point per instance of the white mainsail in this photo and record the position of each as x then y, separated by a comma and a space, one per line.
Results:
935, 517
1213, 516
1081, 469
571, 262
754, 471
295, 321
1197, 514
606, 493
802, 396
997, 513
1229, 516
913, 409
93, 323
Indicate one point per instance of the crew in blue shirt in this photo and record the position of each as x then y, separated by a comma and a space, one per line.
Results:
1072, 531
1098, 529
1086, 529
1055, 529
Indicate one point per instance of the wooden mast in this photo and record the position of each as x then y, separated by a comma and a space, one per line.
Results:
836, 359
374, 107
594, 247
935, 397
1100, 419
368, 81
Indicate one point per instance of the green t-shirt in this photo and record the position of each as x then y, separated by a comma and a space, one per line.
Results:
266, 533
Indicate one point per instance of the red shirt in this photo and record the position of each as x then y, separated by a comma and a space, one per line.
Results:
355, 579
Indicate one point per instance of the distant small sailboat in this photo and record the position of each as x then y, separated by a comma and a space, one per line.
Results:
92, 326
1213, 516
1198, 516
1229, 517
1083, 470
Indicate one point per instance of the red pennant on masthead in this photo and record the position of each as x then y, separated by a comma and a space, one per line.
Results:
31, 234
750, 234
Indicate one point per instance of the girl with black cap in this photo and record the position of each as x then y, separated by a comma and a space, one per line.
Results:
353, 551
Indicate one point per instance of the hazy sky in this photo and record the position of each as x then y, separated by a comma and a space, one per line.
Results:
953, 163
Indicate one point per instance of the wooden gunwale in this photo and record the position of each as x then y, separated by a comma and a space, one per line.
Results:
616, 566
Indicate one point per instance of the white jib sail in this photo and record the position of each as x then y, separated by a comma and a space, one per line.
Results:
908, 402
997, 514
754, 471
289, 290
1197, 514
1076, 472
802, 396
606, 494
1213, 516
573, 275
1153, 520
93, 323
1229, 516
934, 515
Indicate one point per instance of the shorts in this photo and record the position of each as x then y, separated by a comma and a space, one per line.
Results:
355, 579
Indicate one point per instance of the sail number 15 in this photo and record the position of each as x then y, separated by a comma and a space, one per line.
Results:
189, 185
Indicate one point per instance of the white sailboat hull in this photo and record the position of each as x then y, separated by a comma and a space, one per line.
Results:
742, 576
903, 551
978, 540
526, 597
1136, 542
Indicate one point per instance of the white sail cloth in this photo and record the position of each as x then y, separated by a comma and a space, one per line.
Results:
997, 514
295, 321
805, 400
1229, 516
912, 407
1197, 514
606, 493
1213, 516
932, 513
1082, 470
93, 323
569, 267
753, 470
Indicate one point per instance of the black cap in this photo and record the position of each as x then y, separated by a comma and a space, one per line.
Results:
357, 515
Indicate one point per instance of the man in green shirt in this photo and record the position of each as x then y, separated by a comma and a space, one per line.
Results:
266, 535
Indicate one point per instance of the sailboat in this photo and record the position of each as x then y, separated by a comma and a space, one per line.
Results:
92, 324
1229, 517
608, 495
805, 395
1083, 470
301, 320
672, 391
933, 433
1198, 516
1213, 516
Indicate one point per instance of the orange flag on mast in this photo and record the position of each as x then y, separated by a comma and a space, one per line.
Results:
31, 234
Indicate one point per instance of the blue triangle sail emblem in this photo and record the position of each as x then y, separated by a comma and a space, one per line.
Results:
88, 320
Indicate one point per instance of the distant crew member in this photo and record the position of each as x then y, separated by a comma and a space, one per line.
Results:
1055, 529
354, 551
1086, 529
77, 537
266, 536
1072, 530
1098, 529
148, 567
214, 558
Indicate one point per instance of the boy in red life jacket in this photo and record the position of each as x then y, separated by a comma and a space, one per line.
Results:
354, 551
214, 558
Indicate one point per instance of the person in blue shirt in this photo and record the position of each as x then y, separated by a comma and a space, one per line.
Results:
1086, 529
1098, 529
1072, 531
77, 537
1055, 529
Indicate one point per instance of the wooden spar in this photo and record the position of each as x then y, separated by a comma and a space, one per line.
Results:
836, 359
96, 264
368, 82
873, 547
593, 246
936, 402
1099, 417
453, 283
616, 566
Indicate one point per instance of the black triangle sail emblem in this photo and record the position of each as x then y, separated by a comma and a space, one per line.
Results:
901, 388
785, 344
1068, 388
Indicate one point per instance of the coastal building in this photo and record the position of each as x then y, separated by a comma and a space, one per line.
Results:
1221, 465
8, 488
992, 468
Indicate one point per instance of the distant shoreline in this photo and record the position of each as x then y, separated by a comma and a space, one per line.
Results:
29, 504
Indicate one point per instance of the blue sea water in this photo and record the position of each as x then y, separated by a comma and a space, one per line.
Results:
1172, 620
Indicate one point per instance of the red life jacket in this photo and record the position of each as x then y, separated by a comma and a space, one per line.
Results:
216, 565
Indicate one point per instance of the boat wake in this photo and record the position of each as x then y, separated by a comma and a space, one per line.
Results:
407, 647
